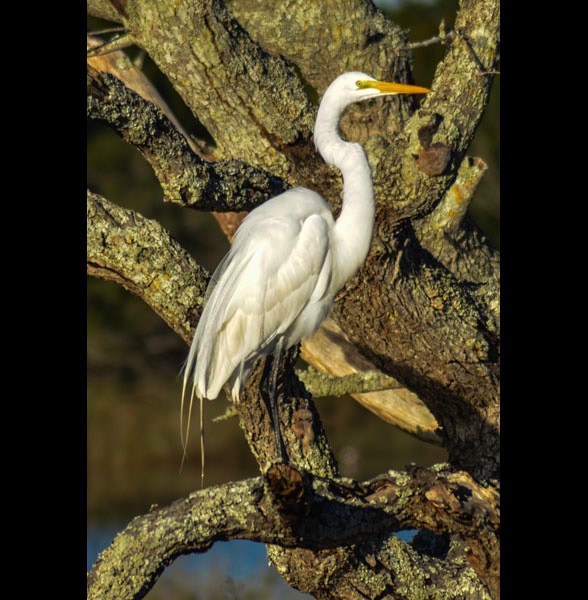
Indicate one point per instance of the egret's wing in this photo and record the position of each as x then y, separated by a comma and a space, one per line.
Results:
280, 280
271, 274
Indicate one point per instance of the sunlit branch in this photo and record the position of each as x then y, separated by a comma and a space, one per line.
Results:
286, 507
141, 256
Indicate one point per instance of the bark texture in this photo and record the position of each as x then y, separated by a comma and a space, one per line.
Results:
423, 309
323, 521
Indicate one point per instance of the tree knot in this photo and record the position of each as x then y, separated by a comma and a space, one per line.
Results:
287, 490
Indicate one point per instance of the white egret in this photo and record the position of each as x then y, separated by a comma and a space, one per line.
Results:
288, 260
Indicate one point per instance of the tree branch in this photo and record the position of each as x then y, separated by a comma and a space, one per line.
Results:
141, 256
117, 43
205, 52
427, 154
459, 244
117, 63
321, 385
451, 236
185, 178
287, 507
330, 351
360, 37
448, 215
104, 9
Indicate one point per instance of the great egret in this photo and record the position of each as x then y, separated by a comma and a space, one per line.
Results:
288, 260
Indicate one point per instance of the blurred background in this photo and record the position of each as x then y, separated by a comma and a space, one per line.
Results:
134, 360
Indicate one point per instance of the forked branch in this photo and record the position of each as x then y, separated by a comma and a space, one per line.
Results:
185, 178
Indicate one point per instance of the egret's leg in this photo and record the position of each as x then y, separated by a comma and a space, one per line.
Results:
274, 399
269, 388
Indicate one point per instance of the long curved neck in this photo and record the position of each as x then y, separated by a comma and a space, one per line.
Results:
354, 227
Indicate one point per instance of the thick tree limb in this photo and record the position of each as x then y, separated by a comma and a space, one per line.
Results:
141, 256
287, 508
330, 351
184, 177
439, 133
356, 33
429, 331
104, 10
357, 36
205, 52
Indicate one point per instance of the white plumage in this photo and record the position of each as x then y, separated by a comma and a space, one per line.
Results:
288, 259
275, 281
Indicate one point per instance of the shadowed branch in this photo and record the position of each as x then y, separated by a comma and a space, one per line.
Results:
185, 178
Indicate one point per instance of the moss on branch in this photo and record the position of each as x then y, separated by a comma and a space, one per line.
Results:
287, 508
322, 385
185, 178
141, 256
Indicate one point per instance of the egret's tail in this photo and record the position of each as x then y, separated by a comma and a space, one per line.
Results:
185, 438
202, 442
204, 365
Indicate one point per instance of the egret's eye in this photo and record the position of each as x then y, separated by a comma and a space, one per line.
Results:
362, 84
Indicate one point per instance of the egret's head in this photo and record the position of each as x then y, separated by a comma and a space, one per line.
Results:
355, 86
345, 90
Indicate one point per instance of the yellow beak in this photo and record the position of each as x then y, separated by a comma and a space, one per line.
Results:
387, 87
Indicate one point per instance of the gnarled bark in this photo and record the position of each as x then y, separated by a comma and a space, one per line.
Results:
287, 507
